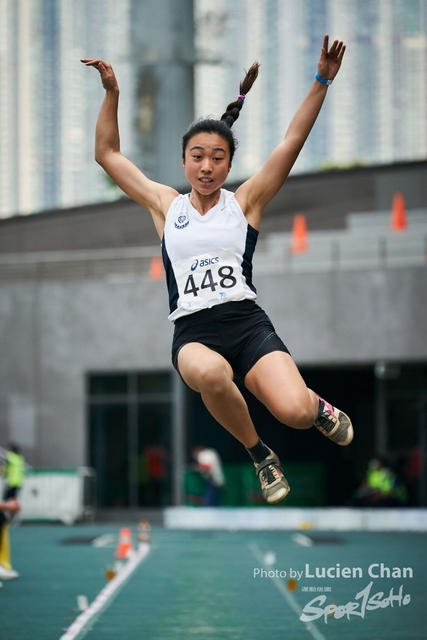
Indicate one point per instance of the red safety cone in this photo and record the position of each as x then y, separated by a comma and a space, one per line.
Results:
156, 270
299, 234
124, 545
399, 221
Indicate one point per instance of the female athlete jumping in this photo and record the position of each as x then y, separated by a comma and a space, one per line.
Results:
208, 240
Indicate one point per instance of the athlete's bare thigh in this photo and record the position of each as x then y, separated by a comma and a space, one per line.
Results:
198, 365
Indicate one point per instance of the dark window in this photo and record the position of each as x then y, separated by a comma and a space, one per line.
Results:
130, 416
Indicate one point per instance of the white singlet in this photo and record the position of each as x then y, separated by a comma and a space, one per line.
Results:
210, 461
207, 258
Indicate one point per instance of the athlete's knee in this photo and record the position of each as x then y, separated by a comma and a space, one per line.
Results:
213, 378
302, 418
209, 377
295, 414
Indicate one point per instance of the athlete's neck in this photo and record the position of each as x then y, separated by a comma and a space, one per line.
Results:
204, 203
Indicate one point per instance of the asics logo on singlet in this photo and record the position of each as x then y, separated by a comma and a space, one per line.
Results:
204, 263
182, 221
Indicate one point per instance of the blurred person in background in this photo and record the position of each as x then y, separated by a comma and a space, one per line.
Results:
8, 508
208, 463
13, 470
381, 487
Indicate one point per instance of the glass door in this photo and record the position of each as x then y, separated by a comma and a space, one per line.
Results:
129, 425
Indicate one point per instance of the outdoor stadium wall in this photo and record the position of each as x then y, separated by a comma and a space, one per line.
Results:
53, 333
56, 329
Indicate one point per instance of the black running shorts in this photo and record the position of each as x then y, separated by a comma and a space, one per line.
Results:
239, 331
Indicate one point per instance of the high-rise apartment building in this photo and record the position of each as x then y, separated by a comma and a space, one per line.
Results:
162, 69
49, 101
375, 112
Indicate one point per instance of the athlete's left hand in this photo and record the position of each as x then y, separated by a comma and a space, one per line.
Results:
330, 61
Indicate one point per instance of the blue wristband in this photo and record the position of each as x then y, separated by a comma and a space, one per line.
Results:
323, 80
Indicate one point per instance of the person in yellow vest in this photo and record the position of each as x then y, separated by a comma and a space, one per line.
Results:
15, 472
381, 487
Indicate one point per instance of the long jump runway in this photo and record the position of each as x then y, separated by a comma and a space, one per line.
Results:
217, 585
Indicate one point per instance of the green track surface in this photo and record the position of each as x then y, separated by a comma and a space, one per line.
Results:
202, 585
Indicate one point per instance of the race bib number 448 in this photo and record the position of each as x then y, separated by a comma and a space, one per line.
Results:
209, 279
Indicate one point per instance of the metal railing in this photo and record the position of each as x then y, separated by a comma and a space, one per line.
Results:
365, 244
342, 251
114, 265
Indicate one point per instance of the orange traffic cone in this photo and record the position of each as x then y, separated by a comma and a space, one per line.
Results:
299, 234
124, 546
399, 221
156, 270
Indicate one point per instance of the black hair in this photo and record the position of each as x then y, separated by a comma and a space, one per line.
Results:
223, 126
14, 447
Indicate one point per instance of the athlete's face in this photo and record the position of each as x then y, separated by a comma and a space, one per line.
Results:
207, 162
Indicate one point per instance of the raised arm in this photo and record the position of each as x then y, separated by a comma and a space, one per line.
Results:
153, 196
254, 194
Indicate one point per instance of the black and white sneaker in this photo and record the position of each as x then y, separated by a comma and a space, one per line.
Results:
274, 485
334, 424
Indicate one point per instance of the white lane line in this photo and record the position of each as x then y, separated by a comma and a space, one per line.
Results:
79, 624
290, 599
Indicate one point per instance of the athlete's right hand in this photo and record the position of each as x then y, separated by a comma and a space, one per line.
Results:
109, 81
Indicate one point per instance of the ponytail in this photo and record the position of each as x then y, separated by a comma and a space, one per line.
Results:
233, 110
223, 126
